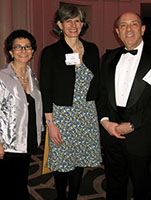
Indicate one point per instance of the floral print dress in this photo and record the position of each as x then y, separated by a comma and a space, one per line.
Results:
78, 125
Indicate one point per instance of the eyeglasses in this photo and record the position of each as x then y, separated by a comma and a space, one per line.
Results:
19, 47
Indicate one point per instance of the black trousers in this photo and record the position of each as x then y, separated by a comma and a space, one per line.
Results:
119, 166
14, 176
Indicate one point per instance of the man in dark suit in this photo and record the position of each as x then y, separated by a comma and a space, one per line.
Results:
125, 111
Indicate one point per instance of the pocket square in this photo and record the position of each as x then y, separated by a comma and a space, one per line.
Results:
147, 77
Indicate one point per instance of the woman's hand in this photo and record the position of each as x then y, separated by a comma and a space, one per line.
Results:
54, 134
1, 152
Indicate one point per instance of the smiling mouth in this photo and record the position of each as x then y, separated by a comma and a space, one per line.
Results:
25, 56
73, 31
130, 35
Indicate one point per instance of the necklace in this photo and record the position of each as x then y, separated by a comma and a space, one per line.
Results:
24, 79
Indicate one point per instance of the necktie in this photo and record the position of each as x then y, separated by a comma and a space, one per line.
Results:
133, 52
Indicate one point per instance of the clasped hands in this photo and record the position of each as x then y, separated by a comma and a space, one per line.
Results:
117, 130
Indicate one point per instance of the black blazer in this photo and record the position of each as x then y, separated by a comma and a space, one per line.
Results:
138, 109
57, 79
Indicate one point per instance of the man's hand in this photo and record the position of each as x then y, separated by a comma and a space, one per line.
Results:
112, 129
124, 128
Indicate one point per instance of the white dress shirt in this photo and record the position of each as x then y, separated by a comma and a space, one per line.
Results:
124, 75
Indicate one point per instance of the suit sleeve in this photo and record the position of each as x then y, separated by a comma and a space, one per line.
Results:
102, 101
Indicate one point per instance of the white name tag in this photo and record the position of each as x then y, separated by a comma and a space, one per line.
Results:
72, 59
147, 77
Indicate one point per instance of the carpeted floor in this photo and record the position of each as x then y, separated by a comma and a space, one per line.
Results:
42, 187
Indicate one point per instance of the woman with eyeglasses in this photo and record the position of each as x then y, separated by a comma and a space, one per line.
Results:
20, 115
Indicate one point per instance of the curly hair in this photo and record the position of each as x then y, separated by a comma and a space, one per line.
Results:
69, 11
20, 33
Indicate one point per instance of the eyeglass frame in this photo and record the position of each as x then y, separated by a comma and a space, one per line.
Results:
26, 47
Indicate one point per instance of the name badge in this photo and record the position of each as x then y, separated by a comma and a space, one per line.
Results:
72, 59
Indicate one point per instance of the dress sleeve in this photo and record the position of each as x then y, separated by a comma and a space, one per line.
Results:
46, 79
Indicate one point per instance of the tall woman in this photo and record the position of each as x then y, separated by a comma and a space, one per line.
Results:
20, 115
69, 82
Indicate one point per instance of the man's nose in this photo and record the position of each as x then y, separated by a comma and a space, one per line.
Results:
129, 27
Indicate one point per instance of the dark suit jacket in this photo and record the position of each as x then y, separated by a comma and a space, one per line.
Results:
138, 109
57, 79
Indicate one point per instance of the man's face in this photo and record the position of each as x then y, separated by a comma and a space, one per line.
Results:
130, 30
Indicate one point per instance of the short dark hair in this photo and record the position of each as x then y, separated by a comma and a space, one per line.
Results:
20, 33
69, 11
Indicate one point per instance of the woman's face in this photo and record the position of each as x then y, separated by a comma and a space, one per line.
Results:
71, 27
21, 51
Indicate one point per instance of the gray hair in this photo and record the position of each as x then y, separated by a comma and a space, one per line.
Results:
69, 11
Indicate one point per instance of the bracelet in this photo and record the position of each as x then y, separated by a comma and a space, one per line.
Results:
49, 121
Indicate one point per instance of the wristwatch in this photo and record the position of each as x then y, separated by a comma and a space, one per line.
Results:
49, 121
132, 126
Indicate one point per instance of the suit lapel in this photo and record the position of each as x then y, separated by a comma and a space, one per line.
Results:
138, 84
